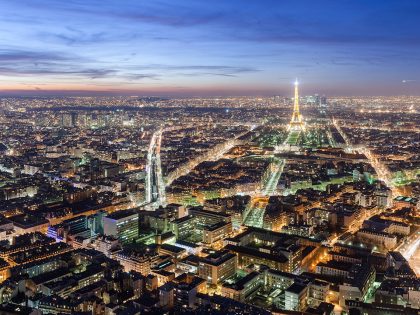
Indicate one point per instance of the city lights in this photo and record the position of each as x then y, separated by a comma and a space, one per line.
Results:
157, 157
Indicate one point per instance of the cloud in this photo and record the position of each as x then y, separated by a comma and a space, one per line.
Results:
33, 63
24, 62
334, 22
198, 70
55, 70
183, 20
14, 55
30, 63
73, 36
136, 77
163, 13
185, 41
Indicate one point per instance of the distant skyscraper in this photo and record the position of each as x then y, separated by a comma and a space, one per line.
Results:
68, 119
82, 120
324, 100
317, 99
323, 104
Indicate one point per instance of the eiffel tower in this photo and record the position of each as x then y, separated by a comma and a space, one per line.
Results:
296, 122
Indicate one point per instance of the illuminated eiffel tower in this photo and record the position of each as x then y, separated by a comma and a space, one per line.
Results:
296, 122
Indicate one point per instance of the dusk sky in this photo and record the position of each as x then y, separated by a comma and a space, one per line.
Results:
197, 47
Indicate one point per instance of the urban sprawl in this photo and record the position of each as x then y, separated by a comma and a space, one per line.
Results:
240, 205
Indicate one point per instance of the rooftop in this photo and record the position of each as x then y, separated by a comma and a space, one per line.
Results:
117, 215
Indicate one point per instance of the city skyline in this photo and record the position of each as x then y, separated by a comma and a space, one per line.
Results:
190, 157
193, 48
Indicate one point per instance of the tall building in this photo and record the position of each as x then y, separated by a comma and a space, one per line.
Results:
245, 288
82, 120
68, 119
139, 262
96, 222
217, 267
122, 224
73, 226
296, 123
295, 297
323, 101
322, 104
317, 99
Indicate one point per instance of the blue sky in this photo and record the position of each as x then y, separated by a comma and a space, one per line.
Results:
197, 47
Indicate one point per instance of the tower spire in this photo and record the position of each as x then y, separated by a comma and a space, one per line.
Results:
296, 122
296, 106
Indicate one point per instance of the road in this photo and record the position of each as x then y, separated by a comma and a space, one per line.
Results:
155, 186
253, 215
410, 249
380, 168
414, 261
270, 186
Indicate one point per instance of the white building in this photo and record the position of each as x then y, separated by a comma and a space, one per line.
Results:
381, 239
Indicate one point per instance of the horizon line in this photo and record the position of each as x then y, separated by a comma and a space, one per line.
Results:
168, 97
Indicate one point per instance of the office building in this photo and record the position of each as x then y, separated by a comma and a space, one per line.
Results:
217, 267
122, 224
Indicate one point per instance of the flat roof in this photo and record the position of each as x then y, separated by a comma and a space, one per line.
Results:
121, 214
256, 253
218, 258
26, 221
172, 248
240, 284
296, 288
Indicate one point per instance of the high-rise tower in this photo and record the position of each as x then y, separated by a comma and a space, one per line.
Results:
296, 122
